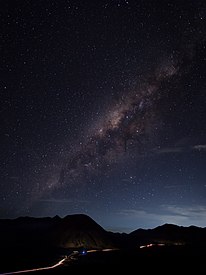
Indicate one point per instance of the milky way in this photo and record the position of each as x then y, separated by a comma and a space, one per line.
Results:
131, 124
103, 110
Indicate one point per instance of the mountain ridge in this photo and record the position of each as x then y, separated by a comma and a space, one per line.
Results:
80, 230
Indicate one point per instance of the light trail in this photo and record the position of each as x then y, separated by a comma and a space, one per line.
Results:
37, 269
70, 257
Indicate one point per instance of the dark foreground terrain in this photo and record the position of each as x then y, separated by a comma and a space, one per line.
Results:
158, 260
28, 243
164, 260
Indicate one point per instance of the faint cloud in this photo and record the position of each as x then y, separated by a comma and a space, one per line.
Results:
132, 213
171, 186
186, 215
179, 149
53, 200
198, 210
179, 215
199, 147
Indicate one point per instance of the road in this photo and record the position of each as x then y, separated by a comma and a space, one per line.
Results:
66, 258
71, 257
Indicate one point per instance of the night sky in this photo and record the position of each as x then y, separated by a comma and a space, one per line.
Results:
103, 111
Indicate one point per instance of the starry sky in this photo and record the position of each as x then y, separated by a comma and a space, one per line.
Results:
103, 111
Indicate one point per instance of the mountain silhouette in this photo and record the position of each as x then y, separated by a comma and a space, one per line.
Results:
170, 234
72, 231
31, 242
80, 230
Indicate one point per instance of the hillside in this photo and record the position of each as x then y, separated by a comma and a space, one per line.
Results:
72, 231
170, 234
79, 230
